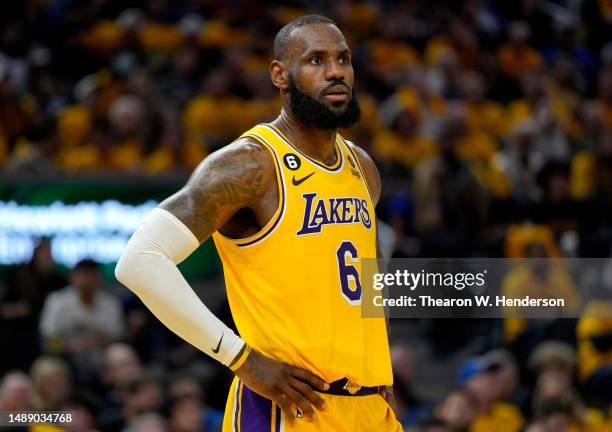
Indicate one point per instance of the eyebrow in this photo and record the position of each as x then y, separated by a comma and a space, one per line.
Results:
313, 52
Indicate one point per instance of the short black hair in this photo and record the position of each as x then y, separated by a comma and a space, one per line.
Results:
282, 37
86, 264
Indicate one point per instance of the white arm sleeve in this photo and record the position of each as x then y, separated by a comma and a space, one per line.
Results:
148, 268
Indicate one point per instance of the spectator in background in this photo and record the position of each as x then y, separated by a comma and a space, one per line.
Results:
557, 209
83, 407
15, 392
51, 382
481, 378
403, 143
595, 352
517, 56
449, 203
409, 409
81, 320
21, 304
150, 422
120, 364
539, 278
483, 114
583, 181
554, 359
568, 44
521, 162
552, 138
185, 416
558, 408
554, 388
187, 409
458, 410
140, 394
127, 117
554, 415
77, 151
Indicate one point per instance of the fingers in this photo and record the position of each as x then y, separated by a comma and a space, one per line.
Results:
307, 391
309, 378
302, 402
287, 407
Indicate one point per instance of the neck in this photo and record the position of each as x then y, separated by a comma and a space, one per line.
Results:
316, 143
86, 298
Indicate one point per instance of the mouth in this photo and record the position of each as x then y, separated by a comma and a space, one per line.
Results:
337, 96
337, 93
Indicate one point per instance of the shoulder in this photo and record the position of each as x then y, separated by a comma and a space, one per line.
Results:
61, 295
237, 176
59, 299
245, 167
370, 170
243, 153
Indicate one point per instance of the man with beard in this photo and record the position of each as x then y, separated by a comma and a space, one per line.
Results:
290, 206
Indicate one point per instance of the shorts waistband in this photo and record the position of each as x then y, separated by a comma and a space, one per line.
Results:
344, 387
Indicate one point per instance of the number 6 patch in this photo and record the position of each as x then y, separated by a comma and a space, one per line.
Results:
292, 161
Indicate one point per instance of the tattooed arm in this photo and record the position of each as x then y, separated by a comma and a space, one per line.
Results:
235, 177
242, 175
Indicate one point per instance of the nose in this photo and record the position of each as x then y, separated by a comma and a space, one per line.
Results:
334, 71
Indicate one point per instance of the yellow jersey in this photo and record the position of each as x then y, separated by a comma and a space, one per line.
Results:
294, 287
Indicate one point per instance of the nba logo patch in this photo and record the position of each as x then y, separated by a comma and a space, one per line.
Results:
353, 167
351, 161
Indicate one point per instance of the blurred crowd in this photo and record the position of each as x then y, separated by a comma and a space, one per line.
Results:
491, 125
73, 345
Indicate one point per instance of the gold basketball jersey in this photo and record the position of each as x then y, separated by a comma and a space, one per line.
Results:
294, 287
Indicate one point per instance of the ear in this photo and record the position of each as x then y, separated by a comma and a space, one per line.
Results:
278, 75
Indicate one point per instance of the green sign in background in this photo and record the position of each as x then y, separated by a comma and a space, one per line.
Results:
203, 264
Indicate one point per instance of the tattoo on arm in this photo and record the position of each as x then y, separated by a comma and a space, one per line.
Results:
226, 181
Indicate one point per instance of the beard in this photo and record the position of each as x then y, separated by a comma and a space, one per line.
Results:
316, 114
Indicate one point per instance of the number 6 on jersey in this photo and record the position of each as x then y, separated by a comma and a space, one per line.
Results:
349, 276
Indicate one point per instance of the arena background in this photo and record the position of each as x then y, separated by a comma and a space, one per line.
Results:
491, 125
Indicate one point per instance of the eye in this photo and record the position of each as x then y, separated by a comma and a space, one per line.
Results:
316, 60
345, 59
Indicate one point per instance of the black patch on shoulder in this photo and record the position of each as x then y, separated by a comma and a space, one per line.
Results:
292, 161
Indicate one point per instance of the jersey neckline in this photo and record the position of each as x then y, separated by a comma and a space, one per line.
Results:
332, 168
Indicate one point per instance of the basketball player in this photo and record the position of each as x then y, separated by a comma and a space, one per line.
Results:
290, 206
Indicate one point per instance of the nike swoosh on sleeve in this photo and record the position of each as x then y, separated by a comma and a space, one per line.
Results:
216, 350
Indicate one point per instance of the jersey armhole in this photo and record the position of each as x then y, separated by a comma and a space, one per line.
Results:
274, 221
356, 157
